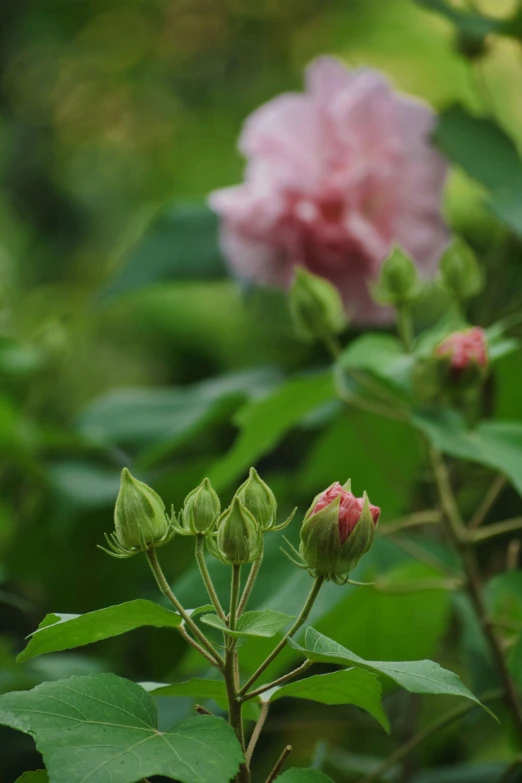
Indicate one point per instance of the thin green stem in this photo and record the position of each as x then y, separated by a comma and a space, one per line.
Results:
405, 327
499, 529
333, 346
254, 571
258, 728
409, 746
497, 485
234, 703
370, 406
413, 520
280, 681
303, 616
465, 547
279, 764
163, 585
234, 598
207, 580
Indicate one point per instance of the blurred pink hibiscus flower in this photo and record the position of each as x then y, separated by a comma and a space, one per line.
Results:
335, 177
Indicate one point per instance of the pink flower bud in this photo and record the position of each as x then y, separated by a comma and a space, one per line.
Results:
464, 350
350, 509
337, 531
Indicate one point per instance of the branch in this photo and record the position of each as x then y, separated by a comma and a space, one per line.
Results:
445, 720
258, 728
412, 520
497, 485
498, 529
279, 765
281, 681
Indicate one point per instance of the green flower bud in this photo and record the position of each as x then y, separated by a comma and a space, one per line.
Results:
239, 538
337, 531
315, 306
398, 282
201, 510
258, 498
460, 273
140, 521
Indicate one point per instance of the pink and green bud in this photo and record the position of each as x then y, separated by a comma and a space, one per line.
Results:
201, 510
238, 538
140, 522
337, 531
463, 356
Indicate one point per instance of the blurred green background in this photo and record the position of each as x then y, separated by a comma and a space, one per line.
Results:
116, 120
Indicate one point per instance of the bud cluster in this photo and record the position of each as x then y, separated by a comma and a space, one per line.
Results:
336, 531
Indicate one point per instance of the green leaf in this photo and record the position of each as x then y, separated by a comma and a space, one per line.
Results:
180, 244
497, 444
39, 776
488, 155
414, 676
104, 728
159, 420
264, 422
65, 631
349, 686
380, 355
199, 688
267, 623
295, 775
470, 23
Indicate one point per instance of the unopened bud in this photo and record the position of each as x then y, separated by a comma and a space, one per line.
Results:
140, 522
315, 306
463, 356
238, 538
201, 510
337, 531
258, 498
460, 273
398, 282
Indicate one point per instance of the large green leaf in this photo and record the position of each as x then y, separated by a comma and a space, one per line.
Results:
39, 776
497, 444
264, 422
470, 23
180, 244
487, 154
161, 419
199, 688
413, 676
295, 775
266, 623
104, 728
383, 357
65, 631
348, 686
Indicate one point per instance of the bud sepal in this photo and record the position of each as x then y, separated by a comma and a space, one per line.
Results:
258, 498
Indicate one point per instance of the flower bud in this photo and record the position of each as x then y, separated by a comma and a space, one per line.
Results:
201, 510
460, 273
398, 282
337, 531
140, 521
315, 306
238, 538
463, 356
258, 498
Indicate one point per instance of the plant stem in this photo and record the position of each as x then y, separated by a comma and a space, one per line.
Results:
445, 720
464, 546
413, 520
230, 673
163, 585
280, 681
200, 558
303, 616
370, 406
254, 570
258, 728
497, 485
405, 327
279, 764
499, 529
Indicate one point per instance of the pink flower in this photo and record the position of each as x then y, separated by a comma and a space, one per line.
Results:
335, 177
464, 349
350, 509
